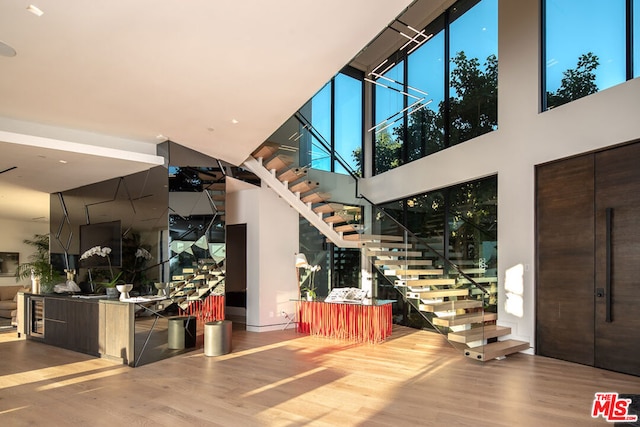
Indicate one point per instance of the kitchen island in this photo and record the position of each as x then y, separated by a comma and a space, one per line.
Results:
89, 324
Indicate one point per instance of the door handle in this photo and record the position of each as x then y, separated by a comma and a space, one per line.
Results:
609, 221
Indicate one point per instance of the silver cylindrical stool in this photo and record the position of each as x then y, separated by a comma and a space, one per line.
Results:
182, 332
217, 338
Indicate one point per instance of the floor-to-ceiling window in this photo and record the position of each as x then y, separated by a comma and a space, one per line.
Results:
335, 114
589, 45
455, 55
460, 223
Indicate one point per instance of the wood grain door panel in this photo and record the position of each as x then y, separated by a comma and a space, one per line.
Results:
565, 259
617, 343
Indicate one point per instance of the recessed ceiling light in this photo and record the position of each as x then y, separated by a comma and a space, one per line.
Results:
34, 9
161, 137
63, 161
234, 121
6, 50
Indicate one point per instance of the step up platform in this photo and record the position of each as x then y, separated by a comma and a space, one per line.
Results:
496, 349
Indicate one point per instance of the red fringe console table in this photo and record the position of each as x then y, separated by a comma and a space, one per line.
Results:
355, 322
212, 308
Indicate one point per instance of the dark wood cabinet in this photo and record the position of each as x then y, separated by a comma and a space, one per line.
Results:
64, 322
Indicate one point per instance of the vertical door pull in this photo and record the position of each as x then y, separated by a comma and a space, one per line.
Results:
609, 215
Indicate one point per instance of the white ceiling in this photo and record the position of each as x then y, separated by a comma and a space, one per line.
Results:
95, 74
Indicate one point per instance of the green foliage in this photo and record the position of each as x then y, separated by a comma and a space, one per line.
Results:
39, 264
577, 82
473, 111
387, 153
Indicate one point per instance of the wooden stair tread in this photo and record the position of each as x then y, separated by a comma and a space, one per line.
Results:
479, 280
404, 254
422, 272
304, 186
496, 349
328, 208
441, 293
386, 245
266, 150
338, 218
397, 262
450, 305
476, 334
293, 174
316, 197
416, 285
464, 319
346, 228
279, 162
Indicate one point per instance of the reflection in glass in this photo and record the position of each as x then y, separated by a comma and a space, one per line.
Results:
321, 120
425, 133
580, 60
473, 76
388, 102
347, 119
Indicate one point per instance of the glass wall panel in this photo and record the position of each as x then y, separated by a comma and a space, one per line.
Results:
321, 121
389, 102
458, 69
347, 120
426, 218
585, 45
425, 132
473, 222
473, 77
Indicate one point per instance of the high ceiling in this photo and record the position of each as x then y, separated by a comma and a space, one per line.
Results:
99, 84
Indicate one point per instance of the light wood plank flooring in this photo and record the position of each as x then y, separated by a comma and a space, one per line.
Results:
286, 379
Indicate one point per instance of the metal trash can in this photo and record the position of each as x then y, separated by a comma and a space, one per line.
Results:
217, 338
182, 332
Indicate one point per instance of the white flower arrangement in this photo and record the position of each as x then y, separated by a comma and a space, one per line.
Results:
143, 253
104, 252
96, 250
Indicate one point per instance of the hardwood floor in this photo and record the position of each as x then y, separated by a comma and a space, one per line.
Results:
286, 379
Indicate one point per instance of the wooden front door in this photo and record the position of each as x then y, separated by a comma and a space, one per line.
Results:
588, 259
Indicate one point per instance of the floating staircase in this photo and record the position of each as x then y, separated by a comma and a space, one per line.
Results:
453, 300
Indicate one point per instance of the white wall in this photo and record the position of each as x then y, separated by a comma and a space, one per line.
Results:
272, 241
525, 138
13, 233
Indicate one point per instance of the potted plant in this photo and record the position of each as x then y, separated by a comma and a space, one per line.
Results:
38, 269
106, 283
